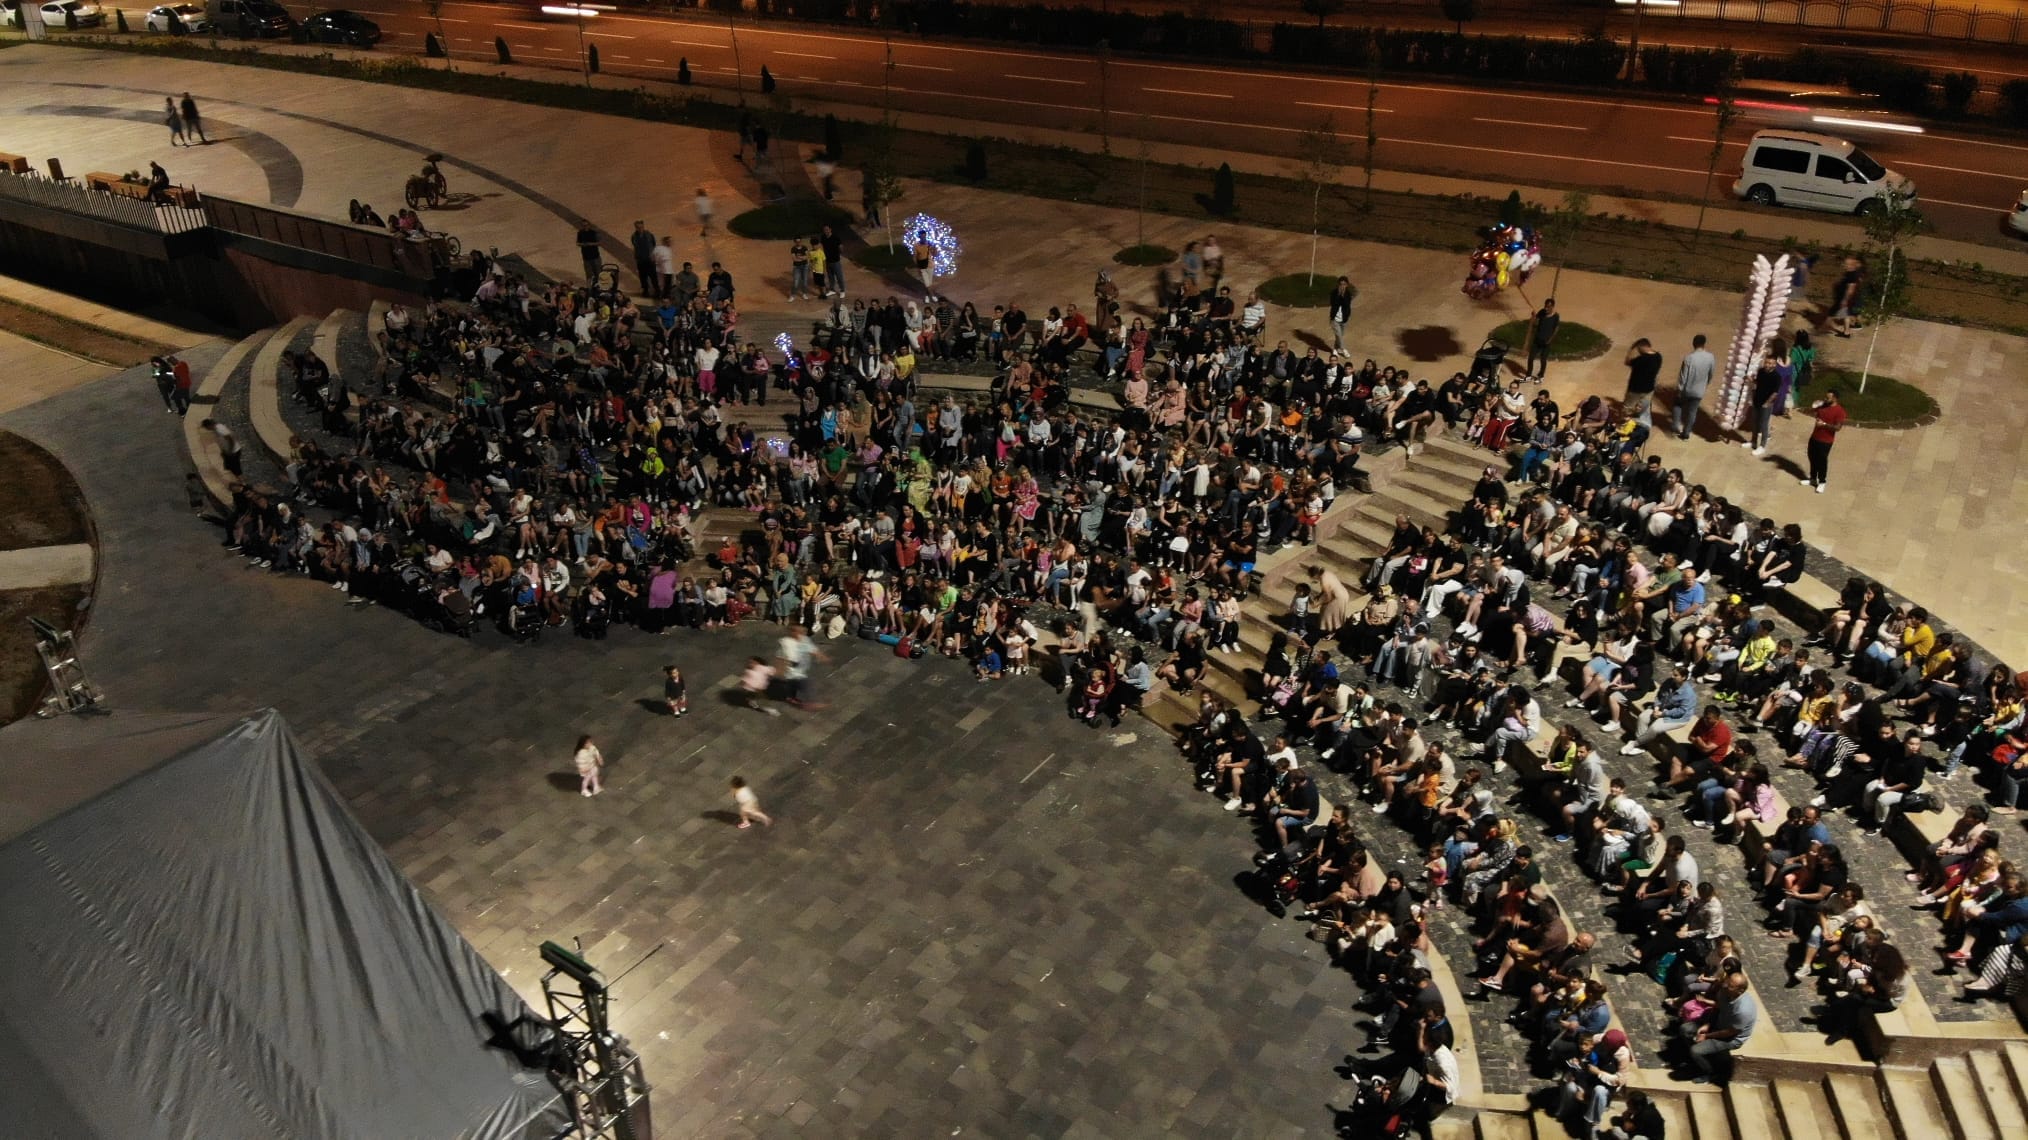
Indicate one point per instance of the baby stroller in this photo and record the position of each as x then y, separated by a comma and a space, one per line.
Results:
1276, 882
521, 620
1487, 362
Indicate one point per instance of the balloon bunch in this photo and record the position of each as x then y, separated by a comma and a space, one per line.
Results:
1507, 255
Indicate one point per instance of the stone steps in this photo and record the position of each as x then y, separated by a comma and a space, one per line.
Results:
198, 442
264, 393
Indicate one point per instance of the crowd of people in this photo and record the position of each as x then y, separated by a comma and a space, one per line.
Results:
1583, 561
540, 456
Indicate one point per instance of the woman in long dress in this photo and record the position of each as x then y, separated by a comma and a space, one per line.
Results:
1334, 601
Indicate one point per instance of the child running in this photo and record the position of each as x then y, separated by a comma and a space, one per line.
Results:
675, 692
748, 804
755, 679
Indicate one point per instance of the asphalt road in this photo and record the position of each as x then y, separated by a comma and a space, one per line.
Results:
1636, 147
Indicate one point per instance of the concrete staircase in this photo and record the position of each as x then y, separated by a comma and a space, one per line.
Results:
1981, 1094
1425, 483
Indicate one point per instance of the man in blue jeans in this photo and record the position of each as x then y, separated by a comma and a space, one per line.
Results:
1675, 707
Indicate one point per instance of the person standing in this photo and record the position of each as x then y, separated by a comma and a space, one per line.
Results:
925, 266
1767, 389
705, 208
1831, 417
748, 803
798, 652
799, 269
1845, 297
1341, 312
588, 249
180, 397
834, 261
1540, 336
644, 257
663, 261
1693, 378
192, 124
589, 764
175, 120
675, 692
1644, 367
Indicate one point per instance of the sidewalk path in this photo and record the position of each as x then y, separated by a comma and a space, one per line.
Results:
1931, 511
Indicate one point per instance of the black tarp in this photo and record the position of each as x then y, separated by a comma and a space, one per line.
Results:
201, 941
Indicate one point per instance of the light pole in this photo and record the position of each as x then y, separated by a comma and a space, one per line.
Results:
1634, 43
1105, 47
738, 74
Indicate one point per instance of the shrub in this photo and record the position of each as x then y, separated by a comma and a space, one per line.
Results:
834, 144
2014, 102
975, 161
1221, 190
1958, 89
1511, 209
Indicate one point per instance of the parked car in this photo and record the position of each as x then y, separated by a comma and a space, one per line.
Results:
178, 19
1818, 172
72, 14
339, 27
2018, 220
10, 14
254, 19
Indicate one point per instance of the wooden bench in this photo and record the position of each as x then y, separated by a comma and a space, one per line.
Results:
14, 163
119, 185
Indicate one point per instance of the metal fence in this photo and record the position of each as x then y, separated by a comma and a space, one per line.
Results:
361, 244
2003, 23
73, 196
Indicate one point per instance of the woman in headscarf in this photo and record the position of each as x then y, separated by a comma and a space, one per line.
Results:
1597, 1073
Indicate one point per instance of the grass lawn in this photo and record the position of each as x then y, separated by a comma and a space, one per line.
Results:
1886, 402
1145, 254
1298, 290
1573, 341
784, 221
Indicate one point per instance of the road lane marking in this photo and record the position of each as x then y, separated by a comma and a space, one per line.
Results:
1980, 142
612, 35
1984, 208
1961, 170
1706, 139
1346, 107
1525, 123
924, 67
805, 55
1044, 79
1196, 94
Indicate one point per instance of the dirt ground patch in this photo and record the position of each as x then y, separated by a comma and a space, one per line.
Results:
21, 675
40, 504
76, 337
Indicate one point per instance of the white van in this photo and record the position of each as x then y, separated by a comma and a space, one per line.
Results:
1798, 168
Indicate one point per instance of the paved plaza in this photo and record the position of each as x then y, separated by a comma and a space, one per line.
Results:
974, 917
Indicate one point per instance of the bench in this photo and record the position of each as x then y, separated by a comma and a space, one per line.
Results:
14, 164
119, 185
1806, 601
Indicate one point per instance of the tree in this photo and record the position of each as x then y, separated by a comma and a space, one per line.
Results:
1888, 228
1725, 112
834, 143
435, 8
1323, 156
883, 180
1222, 190
1461, 11
1323, 9
1563, 224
